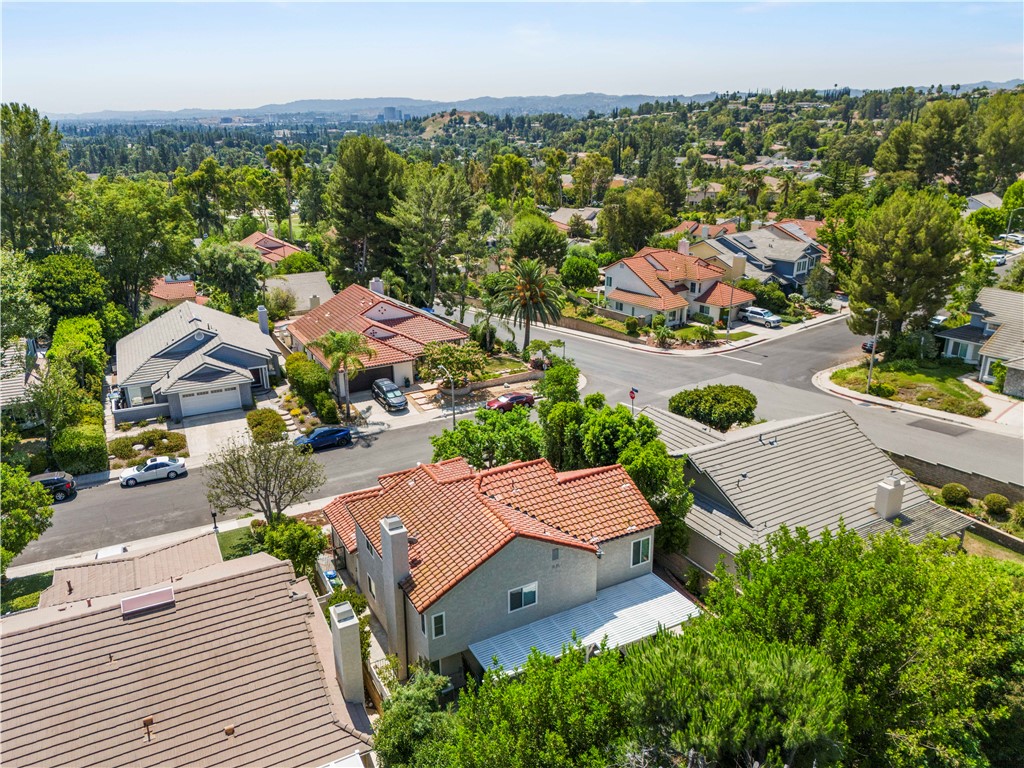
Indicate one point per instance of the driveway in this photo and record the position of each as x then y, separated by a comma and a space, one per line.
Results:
210, 432
378, 418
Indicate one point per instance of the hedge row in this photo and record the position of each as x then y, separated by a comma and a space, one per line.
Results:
81, 449
306, 377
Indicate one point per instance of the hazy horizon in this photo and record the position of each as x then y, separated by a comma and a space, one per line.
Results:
85, 57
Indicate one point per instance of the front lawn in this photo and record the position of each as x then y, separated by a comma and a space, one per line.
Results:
236, 543
975, 545
135, 449
23, 592
615, 325
500, 366
932, 384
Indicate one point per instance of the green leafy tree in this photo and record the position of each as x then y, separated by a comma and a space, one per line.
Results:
288, 163
313, 196
78, 342
461, 360
563, 427
298, 262
611, 430
578, 227
718, 405
535, 237
261, 477
35, 187
840, 230
25, 316
233, 269
579, 274
25, 513
906, 261
924, 637
528, 294
630, 217
70, 285
819, 284
508, 177
412, 721
55, 398
142, 232
661, 480
561, 384
345, 351
1001, 139
280, 303
1014, 279
206, 195
491, 439
591, 177
297, 541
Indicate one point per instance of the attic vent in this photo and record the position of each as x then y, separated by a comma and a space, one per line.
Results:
156, 599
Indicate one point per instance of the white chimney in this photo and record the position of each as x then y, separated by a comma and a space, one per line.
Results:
755, 224
264, 318
889, 497
394, 552
684, 246
705, 230
314, 301
348, 660
377, 285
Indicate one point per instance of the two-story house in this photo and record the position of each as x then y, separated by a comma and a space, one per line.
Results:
772, 253
995, 332
462, 566
675, 284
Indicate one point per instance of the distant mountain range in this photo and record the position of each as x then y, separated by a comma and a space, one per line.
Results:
571, 104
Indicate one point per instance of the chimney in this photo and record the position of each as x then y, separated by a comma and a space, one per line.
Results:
683, 247
705, 230
394, 552
755, 224
377, 285
348, 661
314, 301
889, 497
812, 217
261, 312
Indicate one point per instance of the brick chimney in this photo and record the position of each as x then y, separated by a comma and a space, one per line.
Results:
889, 497
348, 661
394, 552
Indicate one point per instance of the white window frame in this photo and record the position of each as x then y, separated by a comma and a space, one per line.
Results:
632, 552
801, 266
531, 587
433, 626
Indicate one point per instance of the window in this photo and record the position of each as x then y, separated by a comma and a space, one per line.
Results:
554, 554
703, 310
522, 597
437, 622
423, 624
959, 349
618, 306
435, 667
693, 287
369, 586
607, 281
801, 267
641, 551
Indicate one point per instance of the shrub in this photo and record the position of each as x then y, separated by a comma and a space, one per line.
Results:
80, 450
79, 342
955, 494
717, 405
259, 530
142, 423
973, 408
347, 595
899, 366
124, 426
510, 347
267, 426
632, 326
881, 389
486, 335
657, 321
37, 463
265, 433
90, 412
790, 318
161, 419
306, 377
123, 448
996, 503
326, 408
295, 412
702, 318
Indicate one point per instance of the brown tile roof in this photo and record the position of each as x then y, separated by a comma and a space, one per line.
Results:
697, 228
271, 249
460, 517
722, 295
243, 645
124, 574
673, 301
395, 340
655, 266
178, 290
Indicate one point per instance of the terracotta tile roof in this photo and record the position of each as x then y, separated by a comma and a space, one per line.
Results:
697, 228
271, 249
722, 295
177, 290
243, 645
460, 518
657, 266
398, 333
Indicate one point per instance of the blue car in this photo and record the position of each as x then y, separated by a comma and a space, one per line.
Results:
325, 437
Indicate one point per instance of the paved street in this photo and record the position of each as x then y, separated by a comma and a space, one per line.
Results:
778, 372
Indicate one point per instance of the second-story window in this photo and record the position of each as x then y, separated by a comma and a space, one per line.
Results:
641, 551
521, 597
437, 624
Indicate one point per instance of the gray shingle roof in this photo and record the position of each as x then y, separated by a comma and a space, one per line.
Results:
179, 378
919, 521
14, 373
972, 333
302, 285
996, 305
809, 472
768, 246
680, 434
243, 645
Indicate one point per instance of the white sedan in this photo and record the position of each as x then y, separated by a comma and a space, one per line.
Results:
156, 468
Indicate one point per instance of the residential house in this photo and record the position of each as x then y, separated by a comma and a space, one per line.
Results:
395, 331
675, 284
174, 658
561, 217
774, 253
171, 290
271, 249
310, 289
813, 472
192, 360
983, 200
704, 191
695, 229
463, 566
18, 362
995, 332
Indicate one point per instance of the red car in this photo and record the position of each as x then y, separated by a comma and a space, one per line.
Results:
510, 400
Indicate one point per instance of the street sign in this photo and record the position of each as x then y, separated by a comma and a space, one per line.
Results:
632, 393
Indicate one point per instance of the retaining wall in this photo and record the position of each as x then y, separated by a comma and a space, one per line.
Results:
940, 474
575, 324
140, 412
997, 536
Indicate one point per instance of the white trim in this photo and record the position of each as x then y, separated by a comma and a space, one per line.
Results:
526, 588
632, 549
433, 625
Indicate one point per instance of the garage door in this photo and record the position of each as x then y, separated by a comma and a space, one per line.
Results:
365, 379
210, 401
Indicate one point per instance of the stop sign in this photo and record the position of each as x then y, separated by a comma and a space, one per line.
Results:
632, 394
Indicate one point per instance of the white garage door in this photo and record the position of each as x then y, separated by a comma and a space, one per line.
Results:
210, 401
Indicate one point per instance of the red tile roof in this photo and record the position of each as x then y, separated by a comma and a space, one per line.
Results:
697, 228
722, 295
395, 339
460, 518
657, 266
178, 290
271, 249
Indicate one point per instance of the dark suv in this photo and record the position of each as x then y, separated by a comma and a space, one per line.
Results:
387, 393
61, 485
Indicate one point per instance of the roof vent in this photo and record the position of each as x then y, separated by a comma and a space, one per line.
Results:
155, 599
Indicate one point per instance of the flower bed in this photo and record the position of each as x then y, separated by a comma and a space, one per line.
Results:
125, 451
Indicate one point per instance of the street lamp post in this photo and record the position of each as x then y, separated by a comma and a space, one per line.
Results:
874, 346
452, 380
1009, 223
728, 310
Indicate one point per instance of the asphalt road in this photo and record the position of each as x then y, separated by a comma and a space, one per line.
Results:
779, 372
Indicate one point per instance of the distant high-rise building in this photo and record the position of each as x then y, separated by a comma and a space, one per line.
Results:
391, 114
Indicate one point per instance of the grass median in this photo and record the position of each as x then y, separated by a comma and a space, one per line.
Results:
928, 383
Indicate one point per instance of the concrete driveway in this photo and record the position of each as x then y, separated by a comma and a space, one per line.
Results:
210, 432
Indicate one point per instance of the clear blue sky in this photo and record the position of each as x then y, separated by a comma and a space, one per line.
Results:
77, 57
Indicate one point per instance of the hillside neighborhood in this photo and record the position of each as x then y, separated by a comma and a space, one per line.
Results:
683, 433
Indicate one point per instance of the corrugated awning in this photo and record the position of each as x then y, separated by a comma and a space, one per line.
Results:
624, 613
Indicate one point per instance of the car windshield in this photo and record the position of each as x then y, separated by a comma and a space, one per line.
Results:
504, 399
394, 394
140, 467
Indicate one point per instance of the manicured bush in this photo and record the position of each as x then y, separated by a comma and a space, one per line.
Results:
955, 494
973, 408
717, 405
267, 426
996, 503
90, 412
790, 318
702, 318
326, 408
123, 448
80, 450
881, 389
632, 326
657, 321
306, 377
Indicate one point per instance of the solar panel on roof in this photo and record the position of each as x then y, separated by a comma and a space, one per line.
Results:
745, 241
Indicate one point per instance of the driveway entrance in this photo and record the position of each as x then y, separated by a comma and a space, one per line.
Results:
210, 432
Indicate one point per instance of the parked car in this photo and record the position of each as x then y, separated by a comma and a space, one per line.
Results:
61, 485
868, 346
156, 468
761, 316
999, 259
510, 400
1015, 237
325, 437
387, 393
936, 321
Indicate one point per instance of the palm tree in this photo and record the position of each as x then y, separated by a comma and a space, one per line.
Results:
529, 294
287, 162
346, 351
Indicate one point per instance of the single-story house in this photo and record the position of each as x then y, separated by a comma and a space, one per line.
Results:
813, 472
396, 331
310, 289
192, 360
175, 658
561, 217
171, 290
675, 284
271, 249
995, 332
464, 566
984, 200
